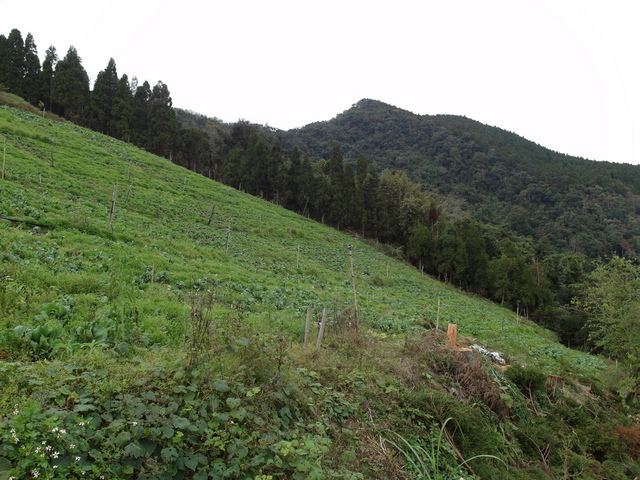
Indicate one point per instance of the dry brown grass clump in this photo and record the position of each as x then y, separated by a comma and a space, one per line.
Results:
630, 436
467, 371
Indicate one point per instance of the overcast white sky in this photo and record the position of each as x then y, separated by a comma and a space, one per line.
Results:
562, 73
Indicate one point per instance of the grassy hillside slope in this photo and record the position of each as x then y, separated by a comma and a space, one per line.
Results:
157, 317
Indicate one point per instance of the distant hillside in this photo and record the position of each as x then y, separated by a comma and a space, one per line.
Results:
578, 205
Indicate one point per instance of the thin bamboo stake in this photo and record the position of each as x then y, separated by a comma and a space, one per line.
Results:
355, 293
307, 326
323, 323
213, 211
226, 247
113, 205
4, 156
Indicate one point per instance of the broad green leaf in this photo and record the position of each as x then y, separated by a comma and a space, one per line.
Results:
221, 386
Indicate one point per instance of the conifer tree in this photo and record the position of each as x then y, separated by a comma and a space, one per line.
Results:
360, 176
12, 59
103, 99
338, 204
291, 186
140, 115
123, 110
348, 194
163, 125
306, 186
46, 77
71, 86
31, 82
370, 207
3, 59
193, 149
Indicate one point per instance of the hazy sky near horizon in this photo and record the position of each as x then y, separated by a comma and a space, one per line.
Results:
562, 73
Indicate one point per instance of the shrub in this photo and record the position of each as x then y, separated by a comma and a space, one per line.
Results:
529, 380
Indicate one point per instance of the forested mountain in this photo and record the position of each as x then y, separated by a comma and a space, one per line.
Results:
578, 205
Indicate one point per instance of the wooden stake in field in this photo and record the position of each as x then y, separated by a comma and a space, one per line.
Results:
355, 293
298, 258
226, 247
438, 316
126, 198
213, 212
323, 324
113, 205
307, 326
4, 156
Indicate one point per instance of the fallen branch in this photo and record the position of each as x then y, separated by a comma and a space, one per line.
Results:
28, 222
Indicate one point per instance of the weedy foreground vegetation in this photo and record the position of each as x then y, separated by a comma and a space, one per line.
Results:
152, 325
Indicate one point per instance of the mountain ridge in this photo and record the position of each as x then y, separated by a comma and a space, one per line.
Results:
495, 172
